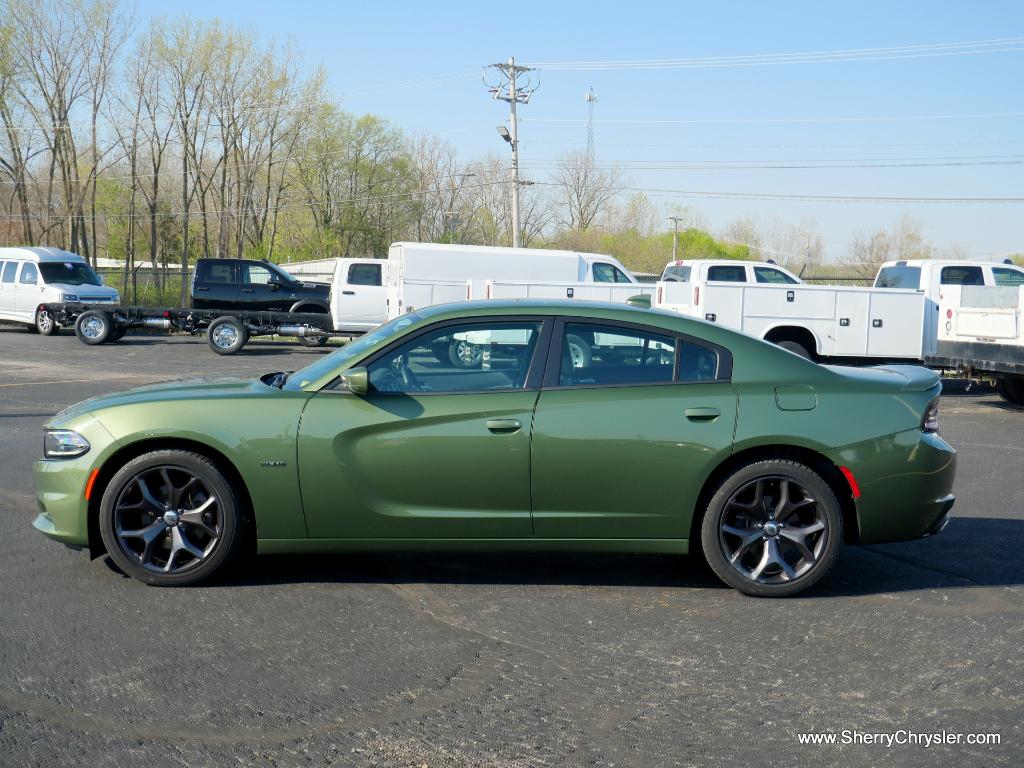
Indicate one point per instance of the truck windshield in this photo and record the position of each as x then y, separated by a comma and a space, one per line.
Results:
350, 351
905, 278
68, 273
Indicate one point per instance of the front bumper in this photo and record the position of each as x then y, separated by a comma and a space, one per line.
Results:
906, 485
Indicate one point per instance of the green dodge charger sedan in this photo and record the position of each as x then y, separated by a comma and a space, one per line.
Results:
514, 426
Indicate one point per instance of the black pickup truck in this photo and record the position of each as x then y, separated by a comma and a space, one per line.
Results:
231, 301
256, 286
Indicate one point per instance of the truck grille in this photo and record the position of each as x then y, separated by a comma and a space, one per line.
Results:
86, 299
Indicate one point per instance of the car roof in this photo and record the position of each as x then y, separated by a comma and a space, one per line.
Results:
40, 254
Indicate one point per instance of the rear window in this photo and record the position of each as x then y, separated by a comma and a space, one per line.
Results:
962, 276
769, 275
364, 274
1008, 276
676, 273
728, 274
905, 278
9, 269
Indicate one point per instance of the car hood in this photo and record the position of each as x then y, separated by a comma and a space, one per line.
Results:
171, 390
908, 378
91, 290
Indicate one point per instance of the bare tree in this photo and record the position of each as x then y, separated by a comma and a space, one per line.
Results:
587, 188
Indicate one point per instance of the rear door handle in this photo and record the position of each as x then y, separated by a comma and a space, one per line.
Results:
201, 288
349, 293
503, 425
248, 290
702, 414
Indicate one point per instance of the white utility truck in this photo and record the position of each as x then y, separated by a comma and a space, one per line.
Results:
815, 321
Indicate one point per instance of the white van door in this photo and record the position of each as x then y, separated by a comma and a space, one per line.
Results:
9, 291
28, 294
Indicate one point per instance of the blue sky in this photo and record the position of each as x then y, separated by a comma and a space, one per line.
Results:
371, 52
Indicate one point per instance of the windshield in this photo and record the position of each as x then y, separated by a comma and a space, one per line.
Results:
286, 276
350, 351
68, 273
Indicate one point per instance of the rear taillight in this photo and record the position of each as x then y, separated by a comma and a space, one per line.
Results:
930, 422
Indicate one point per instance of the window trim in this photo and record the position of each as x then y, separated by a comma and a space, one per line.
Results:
553, 368
533, 376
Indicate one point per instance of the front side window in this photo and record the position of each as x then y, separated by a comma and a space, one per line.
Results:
68, 273
613, 355
904, 278
609, 273
1008, 276
769, 275
364, 274
727, 274
962, 276
255, 274
480, 356
29, 274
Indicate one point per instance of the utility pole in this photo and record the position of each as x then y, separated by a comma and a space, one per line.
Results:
591, 99
675, 234
513, 95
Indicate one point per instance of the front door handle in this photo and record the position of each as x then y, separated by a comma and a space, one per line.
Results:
702, 414
349, 293
248, 290
201, 288
503, 425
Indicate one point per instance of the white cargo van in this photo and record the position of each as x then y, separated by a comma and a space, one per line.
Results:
30, 277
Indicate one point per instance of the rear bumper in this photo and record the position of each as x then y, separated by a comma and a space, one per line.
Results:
906, 485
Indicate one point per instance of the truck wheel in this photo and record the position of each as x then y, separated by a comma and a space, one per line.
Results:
579, 351
796, 348
1011, 390
45, 324
313, 341
226, 335
93, 327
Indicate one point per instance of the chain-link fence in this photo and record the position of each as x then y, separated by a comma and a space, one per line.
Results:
146, 287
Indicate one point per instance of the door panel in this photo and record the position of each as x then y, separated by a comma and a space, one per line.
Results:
417, 466
216, 285
626, 462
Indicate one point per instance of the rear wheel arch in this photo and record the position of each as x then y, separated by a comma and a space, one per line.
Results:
125, 454
808, 457
795, 334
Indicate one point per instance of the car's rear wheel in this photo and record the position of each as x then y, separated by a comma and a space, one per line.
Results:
796, 348
773, 528
93, 327
170, 518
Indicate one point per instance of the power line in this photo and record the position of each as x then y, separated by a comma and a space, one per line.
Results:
965, 48
767, 120
641, 165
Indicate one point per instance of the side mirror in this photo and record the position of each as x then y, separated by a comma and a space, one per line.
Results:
356, 380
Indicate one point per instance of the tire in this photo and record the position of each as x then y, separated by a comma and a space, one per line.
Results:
313, 341
796, 348
441, 350
581, 353
93, 327
44, 324
772, 564
226, 335
197, 538
1011, 390
463, 354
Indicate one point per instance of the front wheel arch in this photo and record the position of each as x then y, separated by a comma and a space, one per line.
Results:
123, 455
811, 459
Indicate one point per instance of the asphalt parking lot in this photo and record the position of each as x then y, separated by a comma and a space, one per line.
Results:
498, 661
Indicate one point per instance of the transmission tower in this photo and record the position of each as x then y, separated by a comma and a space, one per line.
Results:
508, 88
591, 99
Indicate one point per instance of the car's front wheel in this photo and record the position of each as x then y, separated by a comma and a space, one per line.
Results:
171, 518
772, 529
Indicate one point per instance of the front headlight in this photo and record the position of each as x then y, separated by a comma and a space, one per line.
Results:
63, 444
68, 297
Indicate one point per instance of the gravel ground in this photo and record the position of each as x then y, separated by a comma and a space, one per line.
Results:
498, 661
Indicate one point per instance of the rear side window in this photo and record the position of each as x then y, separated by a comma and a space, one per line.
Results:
29, 274
613, 355
216, 272
609, 273
677, 274
728, 274
364, 274
9, 269
962, 276
1008, 276
769, 275
905, 278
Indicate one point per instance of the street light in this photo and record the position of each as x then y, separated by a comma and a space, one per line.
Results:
503, 132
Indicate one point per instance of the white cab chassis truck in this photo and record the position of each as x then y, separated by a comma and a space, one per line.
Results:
814, 321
